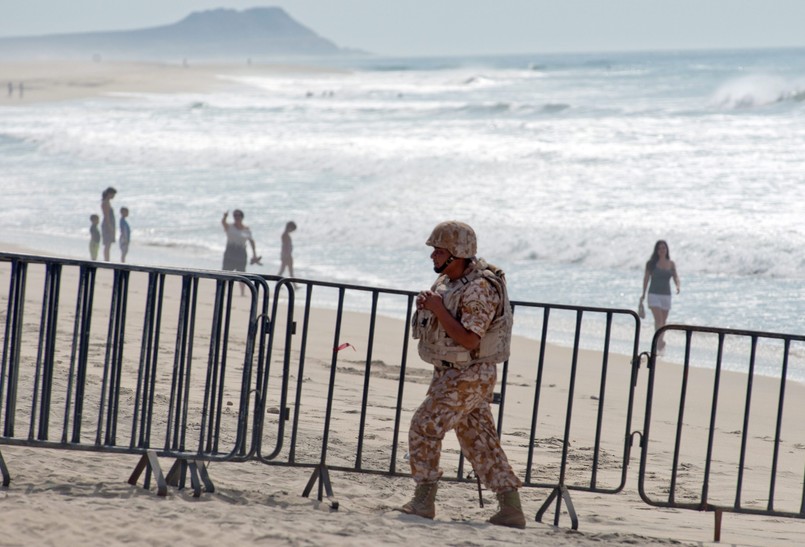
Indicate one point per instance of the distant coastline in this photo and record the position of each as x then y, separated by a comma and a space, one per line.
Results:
51, 81
219, 35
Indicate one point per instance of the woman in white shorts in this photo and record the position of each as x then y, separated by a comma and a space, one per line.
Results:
660, 270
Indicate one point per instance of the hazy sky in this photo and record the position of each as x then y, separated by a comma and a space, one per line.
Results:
441, 27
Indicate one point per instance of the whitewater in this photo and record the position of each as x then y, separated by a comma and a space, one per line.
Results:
569, 167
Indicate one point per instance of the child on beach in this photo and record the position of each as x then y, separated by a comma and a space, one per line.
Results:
94, 236
286, 255
125, 233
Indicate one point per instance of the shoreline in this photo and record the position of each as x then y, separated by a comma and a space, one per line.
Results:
55, 81
159, 258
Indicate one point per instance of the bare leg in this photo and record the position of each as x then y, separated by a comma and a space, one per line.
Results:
106, 248
660, 319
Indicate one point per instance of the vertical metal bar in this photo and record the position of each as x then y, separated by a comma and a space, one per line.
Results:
569, 413
301, 368
713, 413
246, 376
546, 314
137, 427
627, 437
14, 338
367, 374
116, 323
395, 440
108, 362
264, 325
745, 433
681, 415
263, 321
174, 402
333, 365
74, 345
504, 379
779, 426
602, 391
114, 402
646, 423
180, 346
83, 354
11, 312
152, 373
212, 364
221, 377
41, 351
189, 360
54, 282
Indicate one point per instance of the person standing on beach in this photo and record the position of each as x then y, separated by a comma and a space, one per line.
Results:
660, 269
108, 224
125, 233
286, 254
463, 324
237, 234
94, 236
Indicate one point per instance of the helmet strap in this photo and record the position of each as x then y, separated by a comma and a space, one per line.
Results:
447, 262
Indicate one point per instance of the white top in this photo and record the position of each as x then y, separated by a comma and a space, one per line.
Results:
237, 237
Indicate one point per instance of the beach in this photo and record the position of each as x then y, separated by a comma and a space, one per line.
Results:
77, 497
358, 224
54, 81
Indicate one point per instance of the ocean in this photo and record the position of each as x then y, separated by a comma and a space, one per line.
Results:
569, 167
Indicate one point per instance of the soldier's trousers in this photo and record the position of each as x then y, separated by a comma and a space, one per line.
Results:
460, 400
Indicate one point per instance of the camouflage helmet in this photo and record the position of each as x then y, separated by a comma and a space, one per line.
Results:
456, 237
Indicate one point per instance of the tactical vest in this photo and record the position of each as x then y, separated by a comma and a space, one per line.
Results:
436, 346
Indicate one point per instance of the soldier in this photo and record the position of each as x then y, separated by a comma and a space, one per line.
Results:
464, 329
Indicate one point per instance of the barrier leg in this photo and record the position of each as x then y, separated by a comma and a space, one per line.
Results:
203, 475
150, 463
321, 475
717, 528
559, 493
4, 471
199, 478
176, 474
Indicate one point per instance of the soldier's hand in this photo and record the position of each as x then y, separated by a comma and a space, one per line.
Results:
431, 300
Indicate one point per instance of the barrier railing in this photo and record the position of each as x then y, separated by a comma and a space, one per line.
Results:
167, 362
106, 376
699, 452
368, 363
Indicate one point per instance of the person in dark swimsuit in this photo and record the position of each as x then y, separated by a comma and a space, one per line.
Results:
660, 270
108, 227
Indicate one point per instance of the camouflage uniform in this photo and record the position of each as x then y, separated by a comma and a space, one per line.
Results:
460, 399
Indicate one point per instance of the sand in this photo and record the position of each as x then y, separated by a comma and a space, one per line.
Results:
82, 498
49, 81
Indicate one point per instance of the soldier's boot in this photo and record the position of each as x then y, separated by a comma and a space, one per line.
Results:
423, 504
511, 512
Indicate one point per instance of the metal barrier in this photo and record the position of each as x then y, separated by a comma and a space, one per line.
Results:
329, 371
86, 390
697, 454
344, 384
376, 353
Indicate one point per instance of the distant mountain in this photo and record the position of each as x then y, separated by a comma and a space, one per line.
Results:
219, 34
